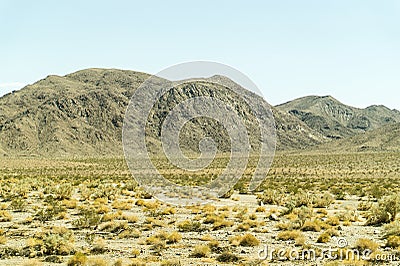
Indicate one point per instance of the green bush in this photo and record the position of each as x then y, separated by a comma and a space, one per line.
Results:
385, 211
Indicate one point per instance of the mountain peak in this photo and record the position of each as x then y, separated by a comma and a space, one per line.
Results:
334, 119
324, 98
328, 97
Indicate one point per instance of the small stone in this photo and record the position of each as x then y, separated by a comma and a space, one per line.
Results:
273, 217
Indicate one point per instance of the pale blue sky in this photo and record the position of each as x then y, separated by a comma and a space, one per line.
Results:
346, 48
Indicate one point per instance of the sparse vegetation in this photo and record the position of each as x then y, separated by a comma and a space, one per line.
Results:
364, 243
249, 240
385, 210
324, 237
106, 203
5, 216
201, 251
227, 257
289, 235
189, 226
174, 237
79, 259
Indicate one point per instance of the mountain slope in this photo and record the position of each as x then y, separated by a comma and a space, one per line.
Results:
292, 133
81, 114
386, 138
336, 120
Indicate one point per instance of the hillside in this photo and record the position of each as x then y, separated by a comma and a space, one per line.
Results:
81, 114
336, 120
386, 138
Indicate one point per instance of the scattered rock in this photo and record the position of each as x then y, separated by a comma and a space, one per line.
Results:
273, 217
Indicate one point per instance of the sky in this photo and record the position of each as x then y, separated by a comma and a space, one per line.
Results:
349, 49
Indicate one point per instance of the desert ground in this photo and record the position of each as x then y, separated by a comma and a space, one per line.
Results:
90, 211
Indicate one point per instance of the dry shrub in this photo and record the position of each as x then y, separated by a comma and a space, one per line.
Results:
248, 240
201, 251
289, 235
174, 237
364, 243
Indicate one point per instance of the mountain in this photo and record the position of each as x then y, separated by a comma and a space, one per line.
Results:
81, 114
336, 120
386, 138
78, 114
291, 132
294, 134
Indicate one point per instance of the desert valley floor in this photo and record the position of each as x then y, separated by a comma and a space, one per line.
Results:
91, 212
